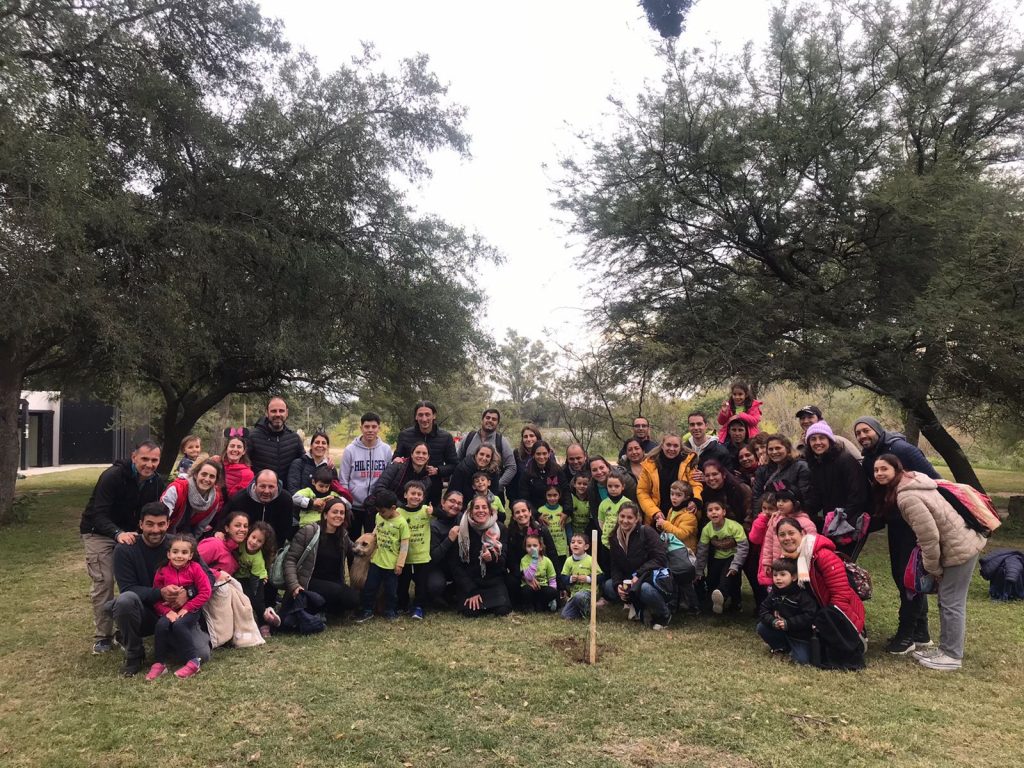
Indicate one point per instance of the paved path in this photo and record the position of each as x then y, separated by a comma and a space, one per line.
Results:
33, 471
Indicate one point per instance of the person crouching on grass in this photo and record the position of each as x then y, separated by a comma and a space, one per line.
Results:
174, 627
787, 614
575, 581
539, 577
388, 558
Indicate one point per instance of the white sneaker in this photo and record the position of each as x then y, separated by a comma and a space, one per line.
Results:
658, 626
634, 615
717, 601
941, 662
926, 653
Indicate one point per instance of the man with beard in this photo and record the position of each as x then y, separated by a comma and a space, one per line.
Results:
488, 435
705, 445
272, 445
443, 456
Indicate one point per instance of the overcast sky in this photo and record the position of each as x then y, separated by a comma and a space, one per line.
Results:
532, 74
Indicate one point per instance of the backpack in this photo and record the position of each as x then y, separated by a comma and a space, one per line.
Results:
857, 575
972, 505
277, 570
916, 580
464, 445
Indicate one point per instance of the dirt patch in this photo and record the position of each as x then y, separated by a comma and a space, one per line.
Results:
651, 754
577, 650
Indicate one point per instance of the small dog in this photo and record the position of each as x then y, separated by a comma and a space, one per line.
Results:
362, 551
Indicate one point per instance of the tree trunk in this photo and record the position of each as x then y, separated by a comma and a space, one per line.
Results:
912, 428
179, 419
10, 445
947, 446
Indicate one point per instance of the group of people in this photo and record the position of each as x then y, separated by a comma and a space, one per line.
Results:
485, 526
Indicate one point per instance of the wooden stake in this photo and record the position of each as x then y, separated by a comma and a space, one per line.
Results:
593, 597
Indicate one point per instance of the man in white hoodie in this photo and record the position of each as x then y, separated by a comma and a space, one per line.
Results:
362, 463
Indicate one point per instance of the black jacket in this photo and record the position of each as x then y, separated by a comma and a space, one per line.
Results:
517, 546
440, 545
645, 552
715, 450
278, 513
470, 581
533, 485
300, 474
796, 475
462, 478
273, 450
117, 500
443, 455
794, 604
594, 495
135, 567
394, 477
838, 481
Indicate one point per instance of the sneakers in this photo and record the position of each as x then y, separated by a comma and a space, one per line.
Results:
417, 613
717, 601
601, 602
103, 645
633, 614
265, 631
156, 670
552, 606
925, 653
191, 668
940, 662
130, 667
900, 646
270, 616
661, 622
364, 616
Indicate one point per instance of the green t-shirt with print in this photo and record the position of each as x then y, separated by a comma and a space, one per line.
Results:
580, 514
579, 567
608, 516
390, 535
553, 517
251, 565
730, 530
419, 534
545, 570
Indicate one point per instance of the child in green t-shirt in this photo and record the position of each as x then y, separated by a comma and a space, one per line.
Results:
608, 511
539, 581
552, 515
727, 539
312, 499
576, 576
482, 487
417, 515
580, 516
388, 558
259, 548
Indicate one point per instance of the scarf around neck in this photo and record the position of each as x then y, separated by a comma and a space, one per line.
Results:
490, 538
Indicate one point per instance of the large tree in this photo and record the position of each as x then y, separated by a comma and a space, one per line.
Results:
832, 209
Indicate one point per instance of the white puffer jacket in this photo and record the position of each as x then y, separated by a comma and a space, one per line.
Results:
943, 536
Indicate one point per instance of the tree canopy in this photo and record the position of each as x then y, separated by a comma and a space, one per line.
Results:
839, 207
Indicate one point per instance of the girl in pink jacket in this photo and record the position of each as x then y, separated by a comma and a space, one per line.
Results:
786, 504
176, 628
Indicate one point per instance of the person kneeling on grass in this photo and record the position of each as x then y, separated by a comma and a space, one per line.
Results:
174, 628
635, 553
729, 542
135, 567
388, 558
478, 562
575, 581
787, 614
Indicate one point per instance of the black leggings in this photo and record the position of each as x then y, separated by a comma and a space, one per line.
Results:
254, 589
339, 597
178, 636
539, 599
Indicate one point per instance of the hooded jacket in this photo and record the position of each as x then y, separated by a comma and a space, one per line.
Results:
943, 536
712, 449
273, 450
830, 584
296, 575
362, 466
117, 499
752, 417
910, 456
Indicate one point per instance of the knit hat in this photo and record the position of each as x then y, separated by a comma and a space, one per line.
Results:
809, 409
820, 428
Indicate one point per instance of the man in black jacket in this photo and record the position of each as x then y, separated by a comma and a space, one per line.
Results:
272, 445
443, 456
641, 432
112, 517
705, 446
135, 567
264, 500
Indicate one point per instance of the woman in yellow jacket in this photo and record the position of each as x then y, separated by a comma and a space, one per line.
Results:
662, 467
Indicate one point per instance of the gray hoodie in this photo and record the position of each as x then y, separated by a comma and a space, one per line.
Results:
361, 466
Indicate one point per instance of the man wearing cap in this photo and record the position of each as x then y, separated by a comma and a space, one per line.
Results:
811, 414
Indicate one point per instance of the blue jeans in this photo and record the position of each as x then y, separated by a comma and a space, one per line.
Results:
376, 578
644, 596
799, 650
577, 606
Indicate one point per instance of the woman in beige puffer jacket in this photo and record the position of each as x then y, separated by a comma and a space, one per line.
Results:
949, 552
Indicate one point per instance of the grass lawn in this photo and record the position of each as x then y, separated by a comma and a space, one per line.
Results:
450, 692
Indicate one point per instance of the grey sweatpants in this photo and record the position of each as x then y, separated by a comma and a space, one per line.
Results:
956, 580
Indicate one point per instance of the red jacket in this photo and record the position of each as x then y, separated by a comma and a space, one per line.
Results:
218, 554
830, 583
237, 477
751, 417
192, 575
180, 486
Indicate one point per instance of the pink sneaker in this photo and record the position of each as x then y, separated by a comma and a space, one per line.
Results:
191, 668
155, 671
270, 616
264, 631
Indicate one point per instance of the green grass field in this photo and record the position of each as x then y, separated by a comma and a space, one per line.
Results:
512, 692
